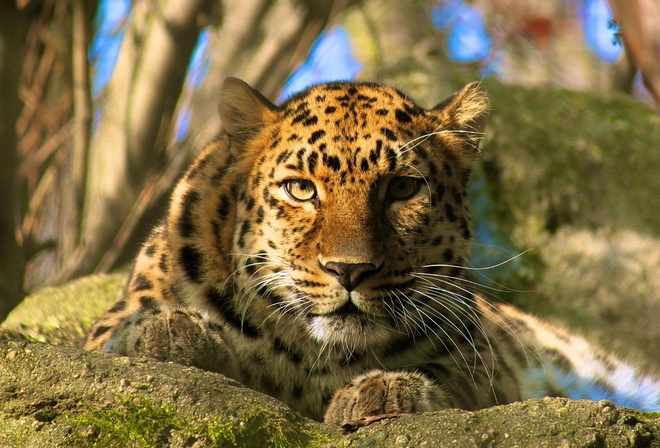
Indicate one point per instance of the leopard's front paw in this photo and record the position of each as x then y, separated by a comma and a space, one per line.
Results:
379, 392
179, 335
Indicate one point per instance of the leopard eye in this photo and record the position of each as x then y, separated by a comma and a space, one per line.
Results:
300, 189
403, 188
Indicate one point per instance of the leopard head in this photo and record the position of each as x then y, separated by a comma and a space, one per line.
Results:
352, 215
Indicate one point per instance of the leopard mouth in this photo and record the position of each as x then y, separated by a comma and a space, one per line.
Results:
347, 309
356, 307
349, 326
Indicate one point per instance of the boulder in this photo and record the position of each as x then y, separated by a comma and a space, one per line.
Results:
62, 396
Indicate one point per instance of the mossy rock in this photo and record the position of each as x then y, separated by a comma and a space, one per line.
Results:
63, 396
64, 314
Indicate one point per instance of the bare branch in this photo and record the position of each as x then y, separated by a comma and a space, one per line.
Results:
72, 197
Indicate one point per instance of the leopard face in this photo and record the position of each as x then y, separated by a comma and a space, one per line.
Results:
351, 212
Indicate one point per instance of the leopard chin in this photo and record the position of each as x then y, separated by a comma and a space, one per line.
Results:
356, 331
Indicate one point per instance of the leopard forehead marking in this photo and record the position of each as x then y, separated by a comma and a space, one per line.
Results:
346, 130
345, 138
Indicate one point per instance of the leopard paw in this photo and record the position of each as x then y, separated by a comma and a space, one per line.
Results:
179, 335
379, 392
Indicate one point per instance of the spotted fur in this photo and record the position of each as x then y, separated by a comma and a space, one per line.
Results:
316, 251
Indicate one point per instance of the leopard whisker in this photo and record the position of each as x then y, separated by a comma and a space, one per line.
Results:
410, 322
432, 317
298, 304
415, 327
456, 300
450, 279
451, 305
425, 326
426, 137
323, 350
397, 318
268, 259
476, 305
465, 333
473, 268
263, 286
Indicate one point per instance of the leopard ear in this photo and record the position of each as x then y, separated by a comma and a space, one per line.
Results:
467, 111
244, 110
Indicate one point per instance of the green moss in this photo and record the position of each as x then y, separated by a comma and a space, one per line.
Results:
48, 315
561, 157
138, 421
142, 423
263, 428
46, 415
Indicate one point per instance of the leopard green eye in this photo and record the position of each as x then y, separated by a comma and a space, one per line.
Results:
403, 188
300, 189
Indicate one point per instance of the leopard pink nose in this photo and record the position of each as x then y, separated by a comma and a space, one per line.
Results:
350, 275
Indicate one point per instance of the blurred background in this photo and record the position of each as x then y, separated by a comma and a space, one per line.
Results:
103, 103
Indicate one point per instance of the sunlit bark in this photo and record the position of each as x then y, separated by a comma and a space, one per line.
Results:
640, 28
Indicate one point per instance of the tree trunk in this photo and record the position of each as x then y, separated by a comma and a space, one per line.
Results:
14, 26
389, 32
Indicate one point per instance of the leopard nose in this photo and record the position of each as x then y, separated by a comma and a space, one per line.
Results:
350, 275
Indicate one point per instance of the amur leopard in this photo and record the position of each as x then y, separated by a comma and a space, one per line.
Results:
317, 252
